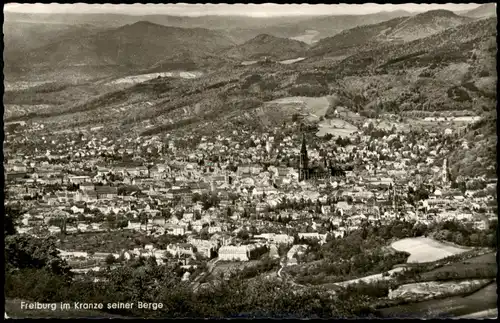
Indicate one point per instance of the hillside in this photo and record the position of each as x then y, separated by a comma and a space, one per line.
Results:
265, 45
314, 29
22, 36
350, 40
457, 42
240, 29
136, 46
394, 31
484, 11
479, 158
426, 24
450, 73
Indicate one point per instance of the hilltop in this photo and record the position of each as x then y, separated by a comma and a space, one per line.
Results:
484, 11
392, 32
451, 72
426, 24
136, 46
351, 40
265, 45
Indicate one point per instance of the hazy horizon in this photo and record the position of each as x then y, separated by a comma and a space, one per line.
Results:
249, 10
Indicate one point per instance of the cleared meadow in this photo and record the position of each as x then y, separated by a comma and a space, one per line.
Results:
315, 107
133, 79
424, 249
455, 306
336, 127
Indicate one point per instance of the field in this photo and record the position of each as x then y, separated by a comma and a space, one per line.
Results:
370, 279
102, 241
226, 267
336, 127
315, 108
22, 85
467, 119
423, 249
482, 300
490, 314
133, 79
427, 290
309, 37
16, 110
245, 63
489, 258
291, 61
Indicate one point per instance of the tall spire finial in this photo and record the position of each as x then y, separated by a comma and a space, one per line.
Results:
304, 148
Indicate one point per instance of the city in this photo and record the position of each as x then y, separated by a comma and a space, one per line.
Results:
382, 210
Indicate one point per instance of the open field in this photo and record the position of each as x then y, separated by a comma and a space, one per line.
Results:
336, 127
489, 258
486, 314
12, 110
246, 63
309, 37
370, 279
480, 266
432, 289
22, 85
315, 107
133, 79
482, 300
424, 249
226, 267
291, 61
456, 119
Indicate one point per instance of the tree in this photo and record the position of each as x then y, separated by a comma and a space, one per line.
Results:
110, 259
12, 214
243, 234
196, 197
30, 252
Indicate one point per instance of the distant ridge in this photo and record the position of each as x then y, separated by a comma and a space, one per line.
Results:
265, 45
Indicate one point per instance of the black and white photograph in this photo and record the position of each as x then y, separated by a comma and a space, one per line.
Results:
256, 161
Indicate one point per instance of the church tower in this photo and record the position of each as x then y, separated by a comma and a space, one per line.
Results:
445, 172
304, 161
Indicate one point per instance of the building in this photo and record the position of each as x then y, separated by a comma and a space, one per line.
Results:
78, 179
317, 171
106, 192
233, 253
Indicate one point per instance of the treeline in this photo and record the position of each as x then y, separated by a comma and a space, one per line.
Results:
33, 273
169, 127
359, 266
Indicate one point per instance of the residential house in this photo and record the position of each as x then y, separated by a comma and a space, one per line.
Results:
86, 187
178, 231
233, 253
78, 179
106, 192
313, 235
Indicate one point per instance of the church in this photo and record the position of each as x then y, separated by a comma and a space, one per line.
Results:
324, 171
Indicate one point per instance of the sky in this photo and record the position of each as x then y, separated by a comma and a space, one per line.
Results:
253, 10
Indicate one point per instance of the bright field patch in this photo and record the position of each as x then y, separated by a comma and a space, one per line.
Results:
423, 249
133, 79
315, 108
336, 127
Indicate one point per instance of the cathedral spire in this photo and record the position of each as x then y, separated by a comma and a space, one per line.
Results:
303, 148
304, 161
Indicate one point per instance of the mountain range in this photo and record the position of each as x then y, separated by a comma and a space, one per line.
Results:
451, 54
265, 45
141, 45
